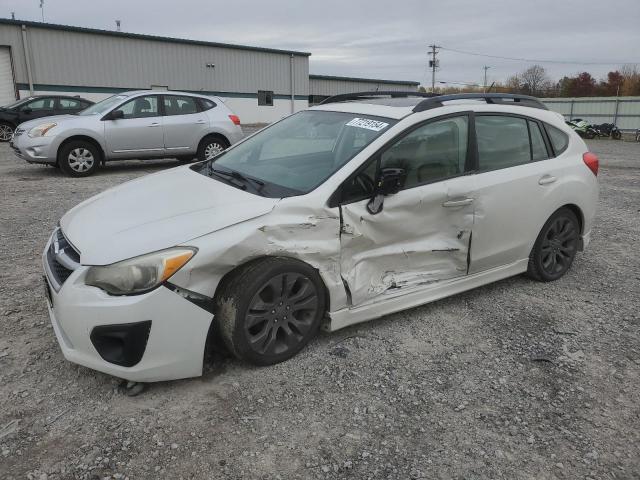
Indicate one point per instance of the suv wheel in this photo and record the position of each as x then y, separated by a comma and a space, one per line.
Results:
210, 146
79, 159
270, 309
6, 131
555, 247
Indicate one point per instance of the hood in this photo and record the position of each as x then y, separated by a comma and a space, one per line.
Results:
155, 212
59, 119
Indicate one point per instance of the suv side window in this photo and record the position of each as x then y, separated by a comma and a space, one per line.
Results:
69, 104
140, 107
431, 152
559, 139
538, 147
503, 142
206, 104
175, 105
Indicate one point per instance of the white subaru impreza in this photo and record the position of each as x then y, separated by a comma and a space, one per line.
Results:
365, 205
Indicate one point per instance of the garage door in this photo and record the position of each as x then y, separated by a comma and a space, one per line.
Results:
7, 89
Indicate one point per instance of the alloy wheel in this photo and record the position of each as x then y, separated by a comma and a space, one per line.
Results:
559, 246
5, 133
212, 149
80, 160
281, 313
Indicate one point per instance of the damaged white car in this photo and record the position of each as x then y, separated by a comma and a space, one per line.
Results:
365, 205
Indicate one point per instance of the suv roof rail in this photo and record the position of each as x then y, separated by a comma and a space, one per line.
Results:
491, 98
345, 97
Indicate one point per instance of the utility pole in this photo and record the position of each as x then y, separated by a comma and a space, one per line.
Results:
118, 25
433, 63
485, 78
42, 9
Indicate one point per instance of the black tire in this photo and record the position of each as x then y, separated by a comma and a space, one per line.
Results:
589, 134
79, 158
211, 144
6, 131
616, 134
268, 310
556, 247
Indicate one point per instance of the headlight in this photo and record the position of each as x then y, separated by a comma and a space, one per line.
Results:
41, 130
140, 274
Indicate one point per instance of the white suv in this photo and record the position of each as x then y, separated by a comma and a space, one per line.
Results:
365, 205
140, 124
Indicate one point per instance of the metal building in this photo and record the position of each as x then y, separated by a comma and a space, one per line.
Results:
260, 84
323, 86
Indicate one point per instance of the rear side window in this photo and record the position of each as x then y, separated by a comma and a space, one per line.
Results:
174, 105
538, 148
206, 104
559, 139
503, 142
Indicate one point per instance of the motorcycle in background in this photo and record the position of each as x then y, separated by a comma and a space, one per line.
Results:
608, 130
582, 128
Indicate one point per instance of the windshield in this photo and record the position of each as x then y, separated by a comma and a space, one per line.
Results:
297, 154
103, 106
18, 103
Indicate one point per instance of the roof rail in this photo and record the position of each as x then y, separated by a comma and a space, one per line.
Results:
491, 98
345, 97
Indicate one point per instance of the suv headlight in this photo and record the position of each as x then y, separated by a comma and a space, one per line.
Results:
139, 274
41, 130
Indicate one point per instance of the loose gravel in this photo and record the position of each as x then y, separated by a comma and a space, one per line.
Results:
514, 380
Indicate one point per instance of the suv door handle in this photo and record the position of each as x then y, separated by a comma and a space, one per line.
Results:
546, 179
458, 203
154, 124
200, 122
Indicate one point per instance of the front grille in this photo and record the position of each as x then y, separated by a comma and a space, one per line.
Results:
18, 132
62, 259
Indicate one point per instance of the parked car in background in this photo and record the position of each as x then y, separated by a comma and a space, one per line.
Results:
131, 125
357, 208
31, 108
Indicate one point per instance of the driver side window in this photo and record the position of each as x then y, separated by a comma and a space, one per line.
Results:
140, 107
432, 152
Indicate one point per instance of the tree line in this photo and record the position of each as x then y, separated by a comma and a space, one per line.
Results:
535, 81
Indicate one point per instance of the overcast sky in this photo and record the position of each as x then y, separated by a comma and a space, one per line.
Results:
383, 39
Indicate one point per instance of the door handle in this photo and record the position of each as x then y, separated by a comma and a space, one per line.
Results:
154, 124
458, 203
200, 122
546, 179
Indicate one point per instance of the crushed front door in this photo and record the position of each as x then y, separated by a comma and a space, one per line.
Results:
421, 236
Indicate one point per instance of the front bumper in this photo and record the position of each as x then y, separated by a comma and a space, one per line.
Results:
176, 339
34, 150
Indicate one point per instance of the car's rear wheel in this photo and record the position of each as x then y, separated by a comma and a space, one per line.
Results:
79, 159
6, 131
211, 146
555, 247
270, 309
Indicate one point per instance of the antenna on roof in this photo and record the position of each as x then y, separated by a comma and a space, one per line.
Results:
118, 25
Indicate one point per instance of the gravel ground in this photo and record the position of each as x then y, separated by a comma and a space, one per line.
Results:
513, 380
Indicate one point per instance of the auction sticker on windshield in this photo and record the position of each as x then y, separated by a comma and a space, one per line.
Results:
367, 123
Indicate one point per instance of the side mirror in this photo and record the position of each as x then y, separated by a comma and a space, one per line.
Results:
116, 115
390, 181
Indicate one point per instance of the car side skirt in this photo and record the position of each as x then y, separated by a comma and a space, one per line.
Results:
397, 300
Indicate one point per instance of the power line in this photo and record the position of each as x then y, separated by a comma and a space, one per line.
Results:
531, 60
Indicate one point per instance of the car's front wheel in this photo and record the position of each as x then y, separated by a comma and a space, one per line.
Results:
79, 159
270, 309
6, 132
555, 247
211, 146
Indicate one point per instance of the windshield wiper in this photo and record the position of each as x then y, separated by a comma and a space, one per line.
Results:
237, 176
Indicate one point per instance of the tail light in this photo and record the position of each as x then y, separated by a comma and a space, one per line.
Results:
591, 161
235, 119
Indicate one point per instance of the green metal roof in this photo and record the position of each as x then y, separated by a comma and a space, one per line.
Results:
356, 79
71, 28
